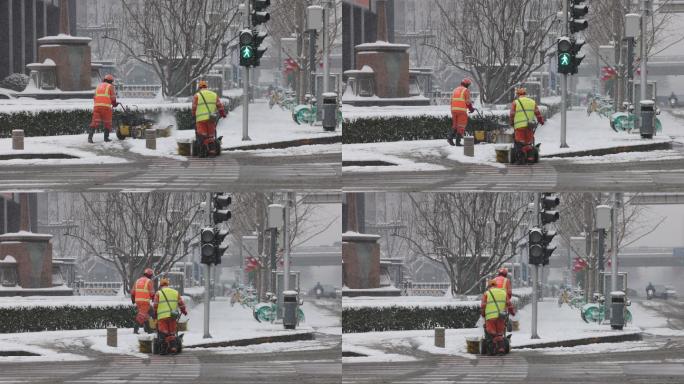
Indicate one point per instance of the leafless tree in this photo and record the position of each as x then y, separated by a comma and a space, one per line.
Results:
249, 211
607, 25
135, 231
578, 217
499, 43
179, 39
288, 19
469, 234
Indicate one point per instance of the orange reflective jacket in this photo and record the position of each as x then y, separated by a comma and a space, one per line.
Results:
460, 99
105, 95
143, 290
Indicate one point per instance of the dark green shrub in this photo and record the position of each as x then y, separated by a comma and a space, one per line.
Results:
39, 318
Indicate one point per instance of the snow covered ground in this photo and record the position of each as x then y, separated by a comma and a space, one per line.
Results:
584, 133
554, 324
265, 126
227, 323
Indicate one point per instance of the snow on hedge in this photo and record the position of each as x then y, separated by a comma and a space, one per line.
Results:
405, 302
59, 301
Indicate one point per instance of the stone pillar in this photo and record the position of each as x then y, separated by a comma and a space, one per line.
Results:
24, 213
64, 27
361, 259
382, 20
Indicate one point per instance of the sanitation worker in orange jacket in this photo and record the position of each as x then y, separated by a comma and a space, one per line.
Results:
204, 103
502, 281
494, 305
141, 295
105, 100
461, 104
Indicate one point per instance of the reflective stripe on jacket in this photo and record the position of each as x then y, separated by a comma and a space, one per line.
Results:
460, 99
205, 106
167, 303
496, 303
524, 112
142, 290
104, 93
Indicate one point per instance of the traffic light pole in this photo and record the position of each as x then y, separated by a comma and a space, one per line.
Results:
535, 278
245, 85
564, 83
613, 244
207, 281
286, 240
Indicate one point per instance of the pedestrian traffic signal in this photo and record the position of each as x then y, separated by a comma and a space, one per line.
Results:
246, 41
578, 11
548, 214
259, 14
535, 246
220, 212
207, 250
565, 58
211, 245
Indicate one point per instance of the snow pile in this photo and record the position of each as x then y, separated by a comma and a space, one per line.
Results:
372, 355
45, 355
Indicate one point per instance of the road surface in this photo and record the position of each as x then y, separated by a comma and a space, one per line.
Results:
547, 175
231, 172
191, 366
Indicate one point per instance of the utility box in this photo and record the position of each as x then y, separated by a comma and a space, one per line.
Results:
617, 309
290, 304
275, 215
329, 111
294, 285
603, 213
648, 113
605, 288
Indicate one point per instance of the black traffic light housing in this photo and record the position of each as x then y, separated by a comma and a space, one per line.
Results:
220, 212
536, 246
219, 249
548, 214
207, 249
577, 13
246, 51
259, 14
577, 56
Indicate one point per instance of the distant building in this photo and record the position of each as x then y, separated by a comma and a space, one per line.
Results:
22, 23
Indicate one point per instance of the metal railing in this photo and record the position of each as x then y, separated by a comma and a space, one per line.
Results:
96, 288
138, 91
424, 289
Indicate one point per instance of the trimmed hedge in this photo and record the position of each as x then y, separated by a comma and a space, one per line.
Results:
76, 121
68, 317
370, 319
423, 127
396, 318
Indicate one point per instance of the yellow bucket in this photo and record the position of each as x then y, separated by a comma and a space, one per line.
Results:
480, 136
185, 148
516, 325
152, 323
502, 153
145, 346
183, 327
125, 130
473, 345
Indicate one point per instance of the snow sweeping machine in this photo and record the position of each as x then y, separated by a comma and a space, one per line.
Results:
133, 123
489, 344
526, 152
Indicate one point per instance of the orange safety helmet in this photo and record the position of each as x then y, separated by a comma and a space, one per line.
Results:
466, 82
148, 272
521, 91
109, 78
164, 281
202, 84
503, 271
